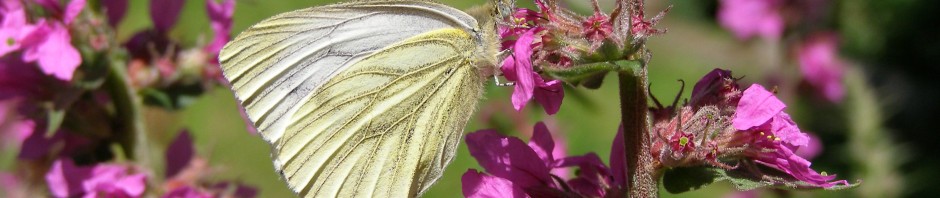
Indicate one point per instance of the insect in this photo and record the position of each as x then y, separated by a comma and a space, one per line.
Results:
363, 99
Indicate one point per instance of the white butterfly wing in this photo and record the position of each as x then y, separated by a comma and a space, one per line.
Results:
359, 99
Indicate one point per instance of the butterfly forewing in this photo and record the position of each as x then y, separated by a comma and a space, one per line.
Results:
393, 120
360, 99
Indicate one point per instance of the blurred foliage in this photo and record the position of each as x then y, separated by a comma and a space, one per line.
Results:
895, 41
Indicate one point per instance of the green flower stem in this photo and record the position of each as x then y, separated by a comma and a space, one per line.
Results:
130, 126
641, 173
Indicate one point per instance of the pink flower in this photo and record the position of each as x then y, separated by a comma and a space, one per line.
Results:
179, 153
716, 87
774, 136
821, 67
749, 18
220, 18
759, 108
13, 30
53, 49
597, 27
782, 158
682, 142
593, 179
518, 68
38, 144
115, 10
512, 159
65, 179
13, 131
48, 41
65, 14
516, 169
482, 185
164, 13
249, 126
522, 20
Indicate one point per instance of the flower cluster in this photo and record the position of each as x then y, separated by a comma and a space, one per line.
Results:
816, 52
45, 41
723, 124
553, 38
517, 169
69, 92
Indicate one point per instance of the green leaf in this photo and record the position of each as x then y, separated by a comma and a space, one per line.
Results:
55, 121
745, 177
683, 179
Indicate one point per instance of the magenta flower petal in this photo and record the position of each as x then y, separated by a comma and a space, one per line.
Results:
785, 128
509, 158
542, 143
756, 107
179, 153
220, 19
549, 94
480, 185
593, 176
560, 151
709, 84
821, 67
618, 161
521, 26
783, 159
133, 185
54, 51
65, 179
52, 6
748, 18
115, 10
72, 10
65, 14
13, 30
21, 80
164, 13
249, 126
59, 175
812, 149
522, 69
37, 145
13, 130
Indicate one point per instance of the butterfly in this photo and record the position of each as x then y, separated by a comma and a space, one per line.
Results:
363, 99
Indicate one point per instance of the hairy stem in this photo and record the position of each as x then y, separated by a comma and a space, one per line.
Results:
130, 127
641, 180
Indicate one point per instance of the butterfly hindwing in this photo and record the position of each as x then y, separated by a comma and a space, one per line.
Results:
393, 122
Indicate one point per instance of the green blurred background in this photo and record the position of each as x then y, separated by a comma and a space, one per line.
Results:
694, 45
